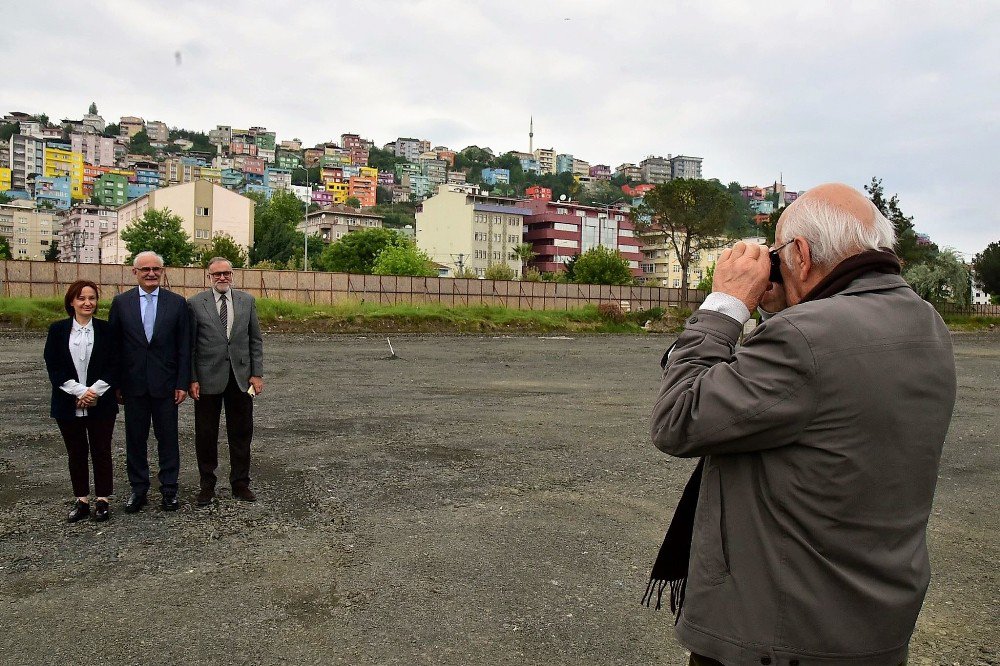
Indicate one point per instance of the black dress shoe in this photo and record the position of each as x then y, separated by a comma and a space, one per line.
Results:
80, 511
102, 511
135, 502
244, 493
170, 503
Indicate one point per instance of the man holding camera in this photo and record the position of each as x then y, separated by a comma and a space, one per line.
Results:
801, 537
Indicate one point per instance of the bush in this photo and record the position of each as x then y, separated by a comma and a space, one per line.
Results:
532, 275
500, 272
612, 312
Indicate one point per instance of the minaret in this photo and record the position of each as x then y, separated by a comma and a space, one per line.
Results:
531, 136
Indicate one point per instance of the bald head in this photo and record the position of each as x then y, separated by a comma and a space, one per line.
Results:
837, 221
844, 198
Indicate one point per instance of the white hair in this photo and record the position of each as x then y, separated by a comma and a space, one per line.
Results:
833, 233
145, 253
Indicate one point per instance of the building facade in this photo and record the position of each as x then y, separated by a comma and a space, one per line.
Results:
661, 267
334, 222
558, 230
655, 170
30, 231
458, 227
683, 166
206, 210
81, 231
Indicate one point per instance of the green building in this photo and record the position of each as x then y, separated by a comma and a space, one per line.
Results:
110, 189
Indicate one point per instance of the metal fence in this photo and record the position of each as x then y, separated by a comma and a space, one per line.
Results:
968, 310
51, 279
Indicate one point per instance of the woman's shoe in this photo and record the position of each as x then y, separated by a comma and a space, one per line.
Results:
80, 511
102, 510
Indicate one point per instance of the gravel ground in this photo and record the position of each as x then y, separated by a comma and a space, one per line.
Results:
480, 501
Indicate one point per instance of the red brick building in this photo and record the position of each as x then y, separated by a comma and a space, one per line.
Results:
558, 230
539, 192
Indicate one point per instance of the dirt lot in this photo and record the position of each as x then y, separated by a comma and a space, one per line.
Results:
482, 501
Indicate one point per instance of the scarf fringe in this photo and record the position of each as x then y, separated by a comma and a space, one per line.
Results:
655, 588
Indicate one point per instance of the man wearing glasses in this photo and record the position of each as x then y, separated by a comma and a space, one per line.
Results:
800, 538
227, 369
150, 327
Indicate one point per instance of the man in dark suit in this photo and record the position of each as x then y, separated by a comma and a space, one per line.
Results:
152, 334
227, 369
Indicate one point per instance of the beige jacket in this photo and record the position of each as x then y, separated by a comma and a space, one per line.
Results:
822, 435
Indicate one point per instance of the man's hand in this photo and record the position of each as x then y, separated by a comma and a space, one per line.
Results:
742, 271
179, 395
774, 300
195, 390
258, 384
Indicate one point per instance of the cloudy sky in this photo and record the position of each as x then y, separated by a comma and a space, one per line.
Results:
808, 91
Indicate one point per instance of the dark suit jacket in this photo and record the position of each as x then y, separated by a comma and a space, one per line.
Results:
103, 365
159, 367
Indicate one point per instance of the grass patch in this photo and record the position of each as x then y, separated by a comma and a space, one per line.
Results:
971, 323
357, 316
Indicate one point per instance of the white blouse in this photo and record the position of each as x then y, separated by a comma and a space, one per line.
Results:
81, 345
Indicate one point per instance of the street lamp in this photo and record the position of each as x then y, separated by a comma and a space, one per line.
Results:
305, 222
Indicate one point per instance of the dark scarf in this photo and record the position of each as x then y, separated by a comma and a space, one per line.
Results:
671, 565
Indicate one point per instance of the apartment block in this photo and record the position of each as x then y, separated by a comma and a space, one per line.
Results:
26, 157
436, 170
339, 190
581, 168
110, 189
539, 192
564, 163
29, 230
418, 185
158, 132
558, 230
546, 158
334, 222
129, 126
97, 150
629, 171
600, 172
60, 160
5, 179
81, 231
496, 176
53, 191
221, 136
660, 265
410, 149
684, 166
655, 170
206, 210
460, 226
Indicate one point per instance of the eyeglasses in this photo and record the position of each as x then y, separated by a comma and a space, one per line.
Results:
150, 269
776, 262
222, 274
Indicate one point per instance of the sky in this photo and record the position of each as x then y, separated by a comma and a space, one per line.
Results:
808, 92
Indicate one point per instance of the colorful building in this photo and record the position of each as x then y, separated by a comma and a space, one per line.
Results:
539, 192
81, 231
60, 160
5, 179
558, 230
110, 189
363, 188
495, 176
53, 191
334, 222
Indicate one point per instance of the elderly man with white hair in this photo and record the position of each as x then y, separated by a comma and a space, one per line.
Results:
152, 337
800, 538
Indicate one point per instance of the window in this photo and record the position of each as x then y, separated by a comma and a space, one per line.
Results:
677, 283
203, 212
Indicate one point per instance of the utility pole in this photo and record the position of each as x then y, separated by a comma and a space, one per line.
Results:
305, 225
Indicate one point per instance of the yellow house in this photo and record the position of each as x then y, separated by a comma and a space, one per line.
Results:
62, 162
5, 179
368, 172
339, 191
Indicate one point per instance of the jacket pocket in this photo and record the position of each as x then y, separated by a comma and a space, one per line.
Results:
709, 545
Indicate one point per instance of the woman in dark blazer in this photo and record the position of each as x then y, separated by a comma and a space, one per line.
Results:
82, 367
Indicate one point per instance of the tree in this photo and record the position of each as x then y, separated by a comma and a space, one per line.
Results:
602, 193
383, 195
945, 278
274, 227
691, 213
52, 254
4, 248
910, 248
43, 119
159, 231
986, 268
500, 271
8, 130
602, 265
466, 272
353, 202
404, 260
525, 252
396, 216
357, 251
706, 280
223, 245
112, 130
93, 109
139, 144
300, 174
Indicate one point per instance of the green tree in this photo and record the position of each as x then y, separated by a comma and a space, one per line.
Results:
943, 279
299, 176
43, 119
404, 260
298, 259
396, 216
383, 195
52, 254
139, 144
602, 193
353, 202
569, 269
93, 109
384, 160
357, 251
274, 227
986, 268
465, 272
692, 215
602, 265
112, 130
525, 252
161, 231
500, 271
4, 248
223, 245
706, 280
909, 247
8, 130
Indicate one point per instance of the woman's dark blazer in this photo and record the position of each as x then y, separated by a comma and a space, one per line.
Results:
103, 365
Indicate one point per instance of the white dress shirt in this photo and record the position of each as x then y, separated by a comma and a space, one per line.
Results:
229, 309
81, 345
